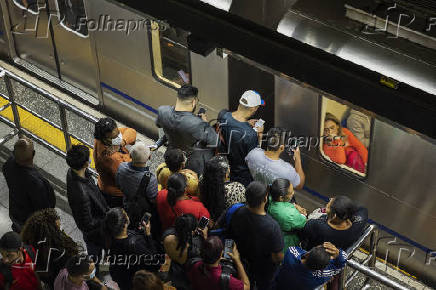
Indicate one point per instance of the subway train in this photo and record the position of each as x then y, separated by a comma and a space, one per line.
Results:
128, 64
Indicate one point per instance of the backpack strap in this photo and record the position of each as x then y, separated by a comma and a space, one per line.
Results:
145, 180
30, 251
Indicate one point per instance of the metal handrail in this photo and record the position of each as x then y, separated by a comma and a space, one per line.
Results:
62, 106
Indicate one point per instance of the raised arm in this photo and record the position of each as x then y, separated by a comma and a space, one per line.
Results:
299, 168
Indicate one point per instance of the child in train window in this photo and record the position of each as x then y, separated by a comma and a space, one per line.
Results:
341, 146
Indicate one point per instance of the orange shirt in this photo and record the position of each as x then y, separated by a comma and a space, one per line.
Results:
107, 166
338, 152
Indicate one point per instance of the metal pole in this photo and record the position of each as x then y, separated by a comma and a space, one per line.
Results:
64, 123
373, 248
11, 96
376, 276
8, 137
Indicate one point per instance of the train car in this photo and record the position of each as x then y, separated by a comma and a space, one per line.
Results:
129, 63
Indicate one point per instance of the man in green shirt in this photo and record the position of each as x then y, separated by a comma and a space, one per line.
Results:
290, 217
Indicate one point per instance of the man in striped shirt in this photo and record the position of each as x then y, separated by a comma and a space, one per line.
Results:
303, 270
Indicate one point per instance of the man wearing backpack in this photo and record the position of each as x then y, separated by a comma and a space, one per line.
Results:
87, 203
139, 186
17, 267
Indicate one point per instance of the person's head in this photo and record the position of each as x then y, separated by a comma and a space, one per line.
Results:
106, 130
78, 157
256, 195
250, 102
340, 209
44, 225
24, 151
212, 189
144, 280
175, 159
11, 247
276, 140
212, 250
332, 126
184, 226
316, 259
187, 96
81, 268
140, 153
115, 222
282, 190
176, 188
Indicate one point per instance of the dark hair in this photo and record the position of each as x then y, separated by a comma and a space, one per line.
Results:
77, 156
212, 190
211, 250
184, 225
187, 92
174, 159
41, 226
317, 258
333, 118
78, 265
343, 207
144, 280
255, 194
176, 188
114, 224
11, 241
276, 138
102, 127
279, 187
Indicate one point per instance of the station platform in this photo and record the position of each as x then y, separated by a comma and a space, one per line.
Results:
54, 167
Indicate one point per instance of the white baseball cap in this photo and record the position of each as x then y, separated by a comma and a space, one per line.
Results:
251, 99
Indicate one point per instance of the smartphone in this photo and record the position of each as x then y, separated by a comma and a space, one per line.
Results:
259, 123
146, 217
204, 221
228, 248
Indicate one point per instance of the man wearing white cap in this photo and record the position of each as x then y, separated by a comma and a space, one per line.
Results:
135, 177
240, 136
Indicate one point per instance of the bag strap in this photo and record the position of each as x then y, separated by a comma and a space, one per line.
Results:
30, 252
145, 180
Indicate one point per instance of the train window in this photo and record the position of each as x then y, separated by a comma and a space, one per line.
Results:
29, 5
72, 16
170, 54
346, 135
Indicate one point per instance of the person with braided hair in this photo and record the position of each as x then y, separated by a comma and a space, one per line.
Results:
129, 250
182, 242
53, 245
110, 150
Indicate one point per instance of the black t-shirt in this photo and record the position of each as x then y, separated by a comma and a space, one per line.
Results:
257, 237
239, 138
317, 231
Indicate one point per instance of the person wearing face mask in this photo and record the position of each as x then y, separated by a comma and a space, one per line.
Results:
29, 191
17, 268
186, 131
109, 152
79, 271
129, 250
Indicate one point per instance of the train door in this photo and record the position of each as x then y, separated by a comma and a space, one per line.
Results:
3, 43
29, 26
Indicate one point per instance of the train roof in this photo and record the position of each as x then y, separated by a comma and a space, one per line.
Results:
389, 79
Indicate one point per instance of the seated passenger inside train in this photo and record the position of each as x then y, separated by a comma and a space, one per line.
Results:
341, 146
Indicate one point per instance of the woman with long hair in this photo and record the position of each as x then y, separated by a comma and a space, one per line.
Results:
139, 250
215, 193
54, 247
341, 146
175, 202
109, 152
182, 242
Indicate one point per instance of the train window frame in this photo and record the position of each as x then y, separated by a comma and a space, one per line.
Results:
326, 160
21, 6
153, 30
64, 26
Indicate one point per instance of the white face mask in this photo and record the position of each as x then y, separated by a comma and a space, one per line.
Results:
117, 140
92, 275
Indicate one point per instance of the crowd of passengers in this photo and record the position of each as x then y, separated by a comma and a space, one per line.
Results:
219, 213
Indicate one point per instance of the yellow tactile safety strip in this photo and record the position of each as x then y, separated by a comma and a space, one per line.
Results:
40, 128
